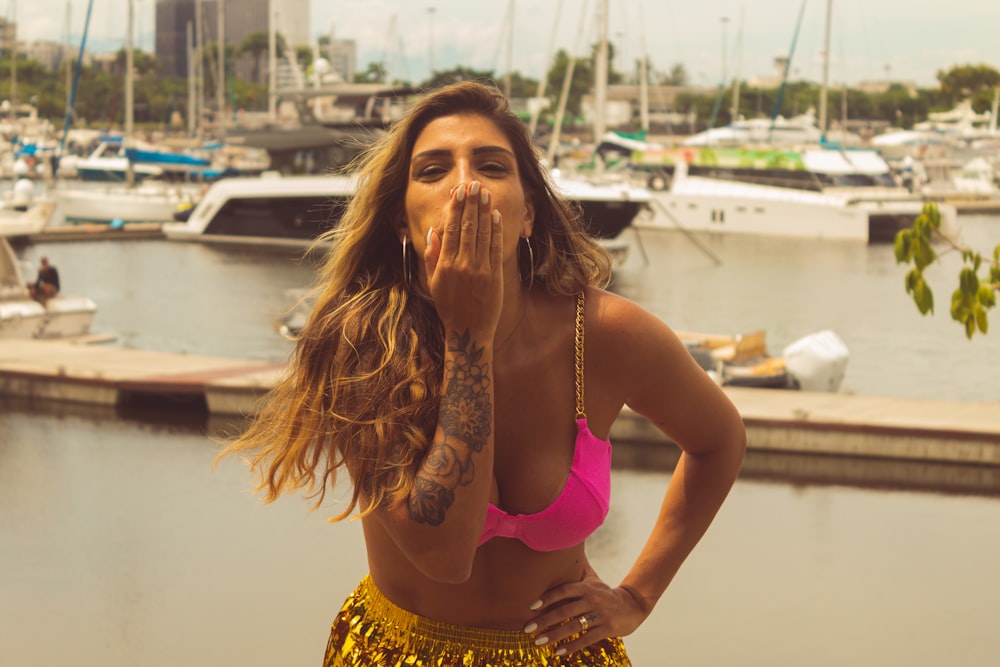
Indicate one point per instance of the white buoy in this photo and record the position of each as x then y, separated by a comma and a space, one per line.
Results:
23, 195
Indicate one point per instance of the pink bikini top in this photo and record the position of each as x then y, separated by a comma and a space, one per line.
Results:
583, 502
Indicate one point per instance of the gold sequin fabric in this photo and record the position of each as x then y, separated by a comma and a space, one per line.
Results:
370, 631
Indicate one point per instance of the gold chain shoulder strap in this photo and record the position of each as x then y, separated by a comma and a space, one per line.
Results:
581, 412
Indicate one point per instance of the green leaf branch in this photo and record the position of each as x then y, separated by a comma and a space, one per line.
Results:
978, 281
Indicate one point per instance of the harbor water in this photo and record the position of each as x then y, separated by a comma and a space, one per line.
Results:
120, 544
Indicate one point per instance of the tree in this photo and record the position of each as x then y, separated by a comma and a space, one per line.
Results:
256, 45
978, 281
967, 81
677, 76
374, 73
582, 82
458, 74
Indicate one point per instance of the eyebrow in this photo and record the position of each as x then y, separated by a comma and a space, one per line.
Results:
481, 150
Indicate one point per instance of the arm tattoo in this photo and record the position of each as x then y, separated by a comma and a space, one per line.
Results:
466, 418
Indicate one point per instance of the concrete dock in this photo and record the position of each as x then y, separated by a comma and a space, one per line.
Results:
777, 421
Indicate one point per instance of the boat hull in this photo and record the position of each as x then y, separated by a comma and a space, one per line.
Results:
703, 205
105, 205
61, 317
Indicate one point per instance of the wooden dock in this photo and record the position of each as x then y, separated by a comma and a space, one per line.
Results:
777, 421
98, 232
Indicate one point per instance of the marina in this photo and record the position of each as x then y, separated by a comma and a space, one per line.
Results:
864, 527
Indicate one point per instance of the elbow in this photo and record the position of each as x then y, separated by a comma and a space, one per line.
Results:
737, 440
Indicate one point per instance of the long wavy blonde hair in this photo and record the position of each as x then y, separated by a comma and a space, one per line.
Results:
363, 385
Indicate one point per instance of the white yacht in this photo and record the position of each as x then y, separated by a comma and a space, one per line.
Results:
293, 210
813, 193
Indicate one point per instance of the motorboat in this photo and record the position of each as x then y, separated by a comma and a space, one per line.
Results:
816, 362
21, 316
273, 209
821, 192
270, 209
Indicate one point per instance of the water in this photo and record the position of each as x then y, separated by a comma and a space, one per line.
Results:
222, 301
120, 545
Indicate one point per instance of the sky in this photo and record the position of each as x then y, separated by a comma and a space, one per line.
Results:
903, 40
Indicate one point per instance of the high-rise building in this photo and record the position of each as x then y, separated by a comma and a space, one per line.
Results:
8, 34
241, 18
342, 54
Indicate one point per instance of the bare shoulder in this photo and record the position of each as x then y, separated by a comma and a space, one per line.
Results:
637, 360
617, 322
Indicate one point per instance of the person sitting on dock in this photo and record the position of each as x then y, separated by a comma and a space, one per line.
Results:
46, 284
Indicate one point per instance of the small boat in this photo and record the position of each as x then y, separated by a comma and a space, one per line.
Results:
21, 316
814, 363
150, 201
22, 213
108, 163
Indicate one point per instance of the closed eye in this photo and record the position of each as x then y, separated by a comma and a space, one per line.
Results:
494, 168
430, 172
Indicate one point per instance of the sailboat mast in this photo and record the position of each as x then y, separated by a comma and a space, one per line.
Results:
190, 80
220, 80
826, 70
272, 63
735, 111
13, 64
510, 49
550, 154
542, 80
68, 51
199, 64
643, 77
129, 93
601, 72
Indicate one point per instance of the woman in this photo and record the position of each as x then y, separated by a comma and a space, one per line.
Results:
464, 366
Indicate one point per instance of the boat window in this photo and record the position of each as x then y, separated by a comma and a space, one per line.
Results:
796, 179
284, 217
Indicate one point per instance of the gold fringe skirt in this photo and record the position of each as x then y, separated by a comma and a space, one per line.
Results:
371, 631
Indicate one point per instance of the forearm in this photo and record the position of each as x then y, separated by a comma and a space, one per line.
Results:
698, 487
459, 458
440, 525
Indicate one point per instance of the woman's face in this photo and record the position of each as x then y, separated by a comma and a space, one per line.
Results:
457, 150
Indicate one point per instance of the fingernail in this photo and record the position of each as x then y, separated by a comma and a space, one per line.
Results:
496, 221
484, 197
461, 193
531, 627
561, 651
429, 232
474, 188
537, 604
541, 641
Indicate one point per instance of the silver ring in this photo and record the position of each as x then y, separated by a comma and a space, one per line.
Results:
584, 623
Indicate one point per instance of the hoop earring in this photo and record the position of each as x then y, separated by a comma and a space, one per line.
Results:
406, 264
531, 262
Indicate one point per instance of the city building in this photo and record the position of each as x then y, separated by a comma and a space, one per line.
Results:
343, 56
8, 34
241, 18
